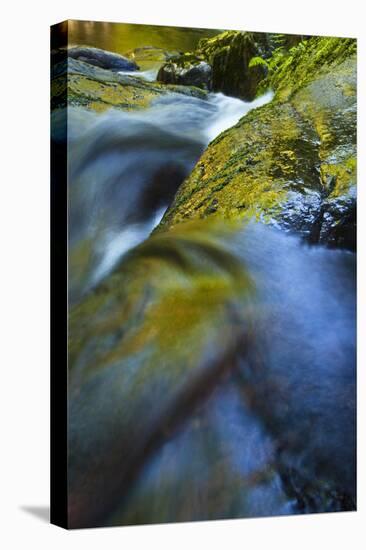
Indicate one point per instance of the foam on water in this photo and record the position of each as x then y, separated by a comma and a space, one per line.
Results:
124, 167
230, 110
149, 75
117, 244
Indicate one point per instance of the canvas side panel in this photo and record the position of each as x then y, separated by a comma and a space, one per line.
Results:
59, 306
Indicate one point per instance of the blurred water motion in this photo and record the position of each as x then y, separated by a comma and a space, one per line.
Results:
124, 170
211, 367
212, 375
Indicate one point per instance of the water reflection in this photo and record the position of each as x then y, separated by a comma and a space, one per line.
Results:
121, 37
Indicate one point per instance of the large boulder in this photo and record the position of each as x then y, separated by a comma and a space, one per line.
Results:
145, 350
196, 375
291, 163
231, 62
230, 55
103, 59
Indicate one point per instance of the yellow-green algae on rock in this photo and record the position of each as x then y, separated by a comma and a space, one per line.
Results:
144, 347
225, 63
100, 89
291, 163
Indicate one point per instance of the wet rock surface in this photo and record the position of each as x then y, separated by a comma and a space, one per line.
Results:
189, 73
100, 89
103, 59
206, 340
222, 64
291, 163
212, 366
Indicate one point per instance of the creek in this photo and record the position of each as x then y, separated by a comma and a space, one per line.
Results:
276, 433
125, 168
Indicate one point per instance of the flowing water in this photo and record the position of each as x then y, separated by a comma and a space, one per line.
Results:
275, 433
239, 399
125, 168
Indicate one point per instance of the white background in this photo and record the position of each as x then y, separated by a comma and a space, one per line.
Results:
24, 300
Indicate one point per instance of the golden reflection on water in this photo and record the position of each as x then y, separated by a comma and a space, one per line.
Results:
122, 37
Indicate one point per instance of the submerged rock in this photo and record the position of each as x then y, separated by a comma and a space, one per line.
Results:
291, 163
197, 371
103, 59
150, 54
144, 353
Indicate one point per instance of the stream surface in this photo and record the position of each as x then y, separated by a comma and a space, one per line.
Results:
124, 37
284, 419
249, 411
125, 168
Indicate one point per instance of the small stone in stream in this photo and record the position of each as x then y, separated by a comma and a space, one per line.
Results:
193, 73
101, 58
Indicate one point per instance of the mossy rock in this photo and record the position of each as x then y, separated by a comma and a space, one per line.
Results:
291, 163
192, 72
175, 407
230, 55
222, 64
77, 83
145, 347
290, 69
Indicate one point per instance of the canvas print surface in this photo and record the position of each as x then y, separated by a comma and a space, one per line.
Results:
207, 184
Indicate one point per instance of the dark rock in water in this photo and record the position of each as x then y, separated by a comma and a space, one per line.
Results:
230, 62
232, 71
102, 58
338, 226
194, 72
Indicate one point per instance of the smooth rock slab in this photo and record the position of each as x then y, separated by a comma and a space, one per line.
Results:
103, 59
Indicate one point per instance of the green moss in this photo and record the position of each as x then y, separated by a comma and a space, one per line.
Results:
304, 142
103, 95
340, 177
291, 70
229, 54
98, 89
247, 166
257, 61
191, 280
